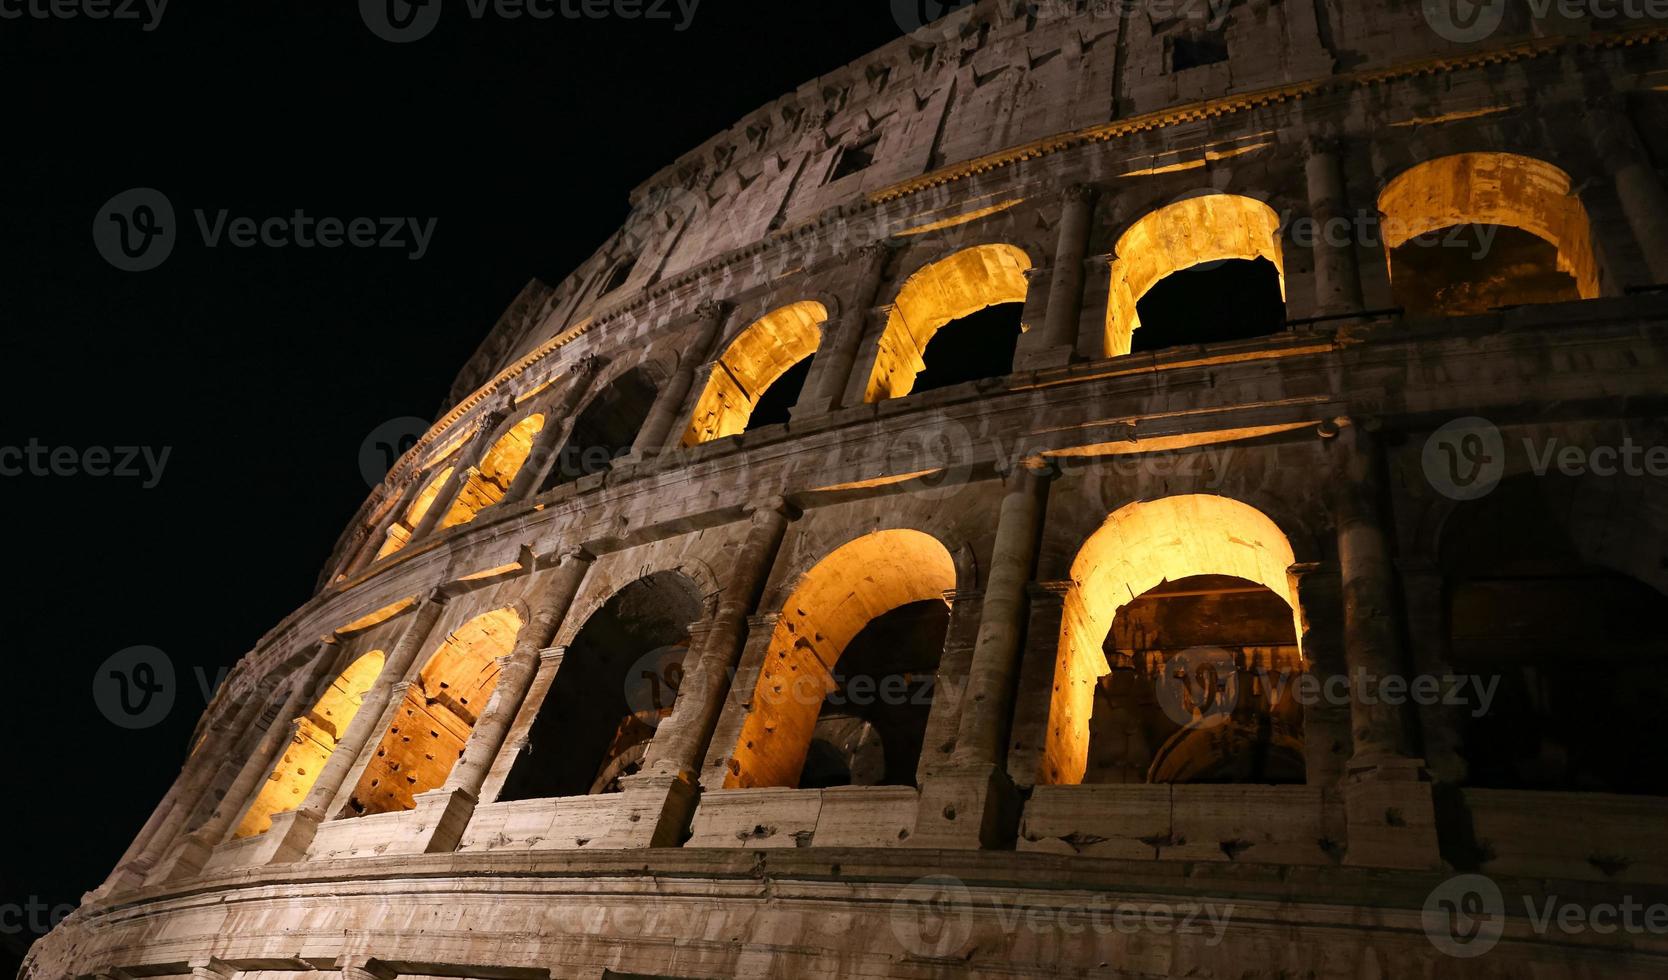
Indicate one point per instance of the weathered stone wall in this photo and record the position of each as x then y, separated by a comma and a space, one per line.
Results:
1051, 133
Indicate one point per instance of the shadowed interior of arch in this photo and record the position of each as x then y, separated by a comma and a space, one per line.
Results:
1140, 548
856, 585
1472, 232
939, 295
1210, 230
1213, 302
617, 681
605, 429
1199, 688
317, 733
1574, 652
431, 725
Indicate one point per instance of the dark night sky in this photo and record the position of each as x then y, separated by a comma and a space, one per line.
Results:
263, 370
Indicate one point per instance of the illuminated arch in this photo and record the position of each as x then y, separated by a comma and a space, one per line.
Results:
1207, 228
1140, 547
1493, 189
399, 532
487, 483
315, 739
754, 361
946, 290
432, 725
829, 606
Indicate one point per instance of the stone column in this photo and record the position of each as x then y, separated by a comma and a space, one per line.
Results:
831, 370
1034, 694
1056, 345
660, 800
985, 715
469, 458
189, 857
973, 803
1326, 735
1638, 185
453, 803
1337, 276
212, 969
558, 425
292, 831
670, 403
938, 746
684, 735
198, 774
1387, 794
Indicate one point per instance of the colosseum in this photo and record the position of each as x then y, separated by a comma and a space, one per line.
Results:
872, 563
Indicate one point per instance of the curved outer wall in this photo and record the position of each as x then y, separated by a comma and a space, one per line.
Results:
1051, 133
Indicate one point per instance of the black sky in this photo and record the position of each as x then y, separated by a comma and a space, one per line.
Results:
262, 370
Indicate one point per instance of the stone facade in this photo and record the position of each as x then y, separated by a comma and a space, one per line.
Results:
598, 467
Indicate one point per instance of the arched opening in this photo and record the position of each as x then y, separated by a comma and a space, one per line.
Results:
617, 681
764, 367
1473, 232
1199, 689
1216, 302
432, 724
944, 295
315, 739
1565, 658
977, 346
487, 483
605, 429
881, 600
1223, 246
399, 532
1156, 579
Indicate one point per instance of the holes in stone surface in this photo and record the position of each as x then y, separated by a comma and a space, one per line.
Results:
1198, 49
424, 755
1166, 714
618, 275
618, 681
972, 348
1468, 269
1231, 299
855, 159
314, 742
